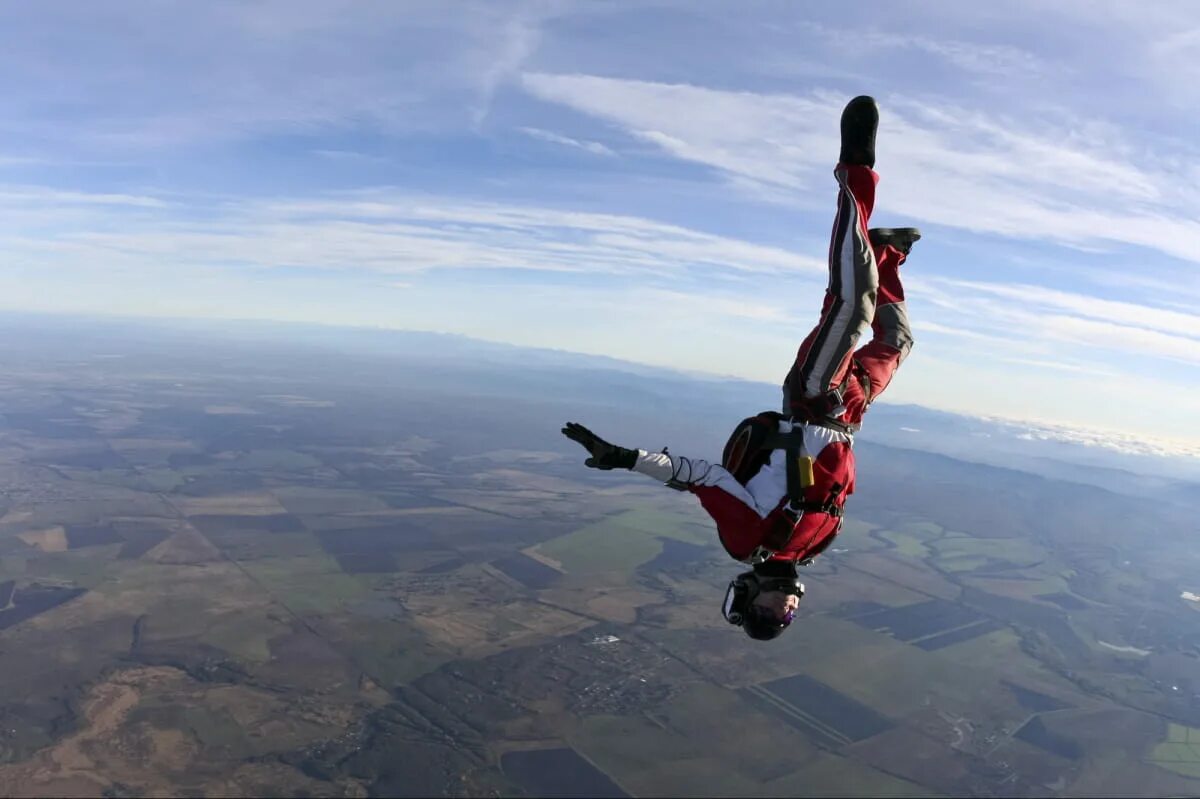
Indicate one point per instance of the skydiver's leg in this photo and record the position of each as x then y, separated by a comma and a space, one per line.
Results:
876, 362
850, 297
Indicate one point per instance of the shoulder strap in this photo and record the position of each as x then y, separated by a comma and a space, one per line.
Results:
794, 487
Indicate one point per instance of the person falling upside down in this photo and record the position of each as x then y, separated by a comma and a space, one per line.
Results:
778, 493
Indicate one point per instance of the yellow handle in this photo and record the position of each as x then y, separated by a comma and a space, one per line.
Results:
806, 471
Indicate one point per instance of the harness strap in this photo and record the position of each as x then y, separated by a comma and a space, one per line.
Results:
797, 505
817, 409
779, 536
864, 380
788, 441
795, 488
820, 507
834, 424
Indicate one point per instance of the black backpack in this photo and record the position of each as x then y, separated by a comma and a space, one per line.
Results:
749, 448
750, 445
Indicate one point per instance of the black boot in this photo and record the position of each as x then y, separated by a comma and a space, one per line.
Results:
860, 120
902, 238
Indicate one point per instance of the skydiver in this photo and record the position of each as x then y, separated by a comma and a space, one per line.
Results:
777, 495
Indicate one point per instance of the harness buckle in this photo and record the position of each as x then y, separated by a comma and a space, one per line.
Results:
760, 555
823, 405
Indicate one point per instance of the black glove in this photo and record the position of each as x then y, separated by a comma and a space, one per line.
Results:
604, 455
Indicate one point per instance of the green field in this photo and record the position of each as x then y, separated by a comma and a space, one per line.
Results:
159, 479
834, 775
921, 529
1013, 550
707, 741
86, 568
1180, 752
908, 545
620, 543
270, 460
244, 635
961, 563
855, 535
310, 584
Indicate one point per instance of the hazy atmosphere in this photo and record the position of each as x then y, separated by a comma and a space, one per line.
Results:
297, 298
623, 178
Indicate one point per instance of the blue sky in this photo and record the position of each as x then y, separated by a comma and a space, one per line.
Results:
650, 181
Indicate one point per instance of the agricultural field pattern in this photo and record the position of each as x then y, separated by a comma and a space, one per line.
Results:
271, 561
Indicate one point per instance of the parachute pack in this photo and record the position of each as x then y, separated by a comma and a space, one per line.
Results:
750, 446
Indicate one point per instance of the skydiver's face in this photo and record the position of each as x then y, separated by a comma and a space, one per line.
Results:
778, 603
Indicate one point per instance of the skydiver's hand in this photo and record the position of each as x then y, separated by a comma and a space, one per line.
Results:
604, 455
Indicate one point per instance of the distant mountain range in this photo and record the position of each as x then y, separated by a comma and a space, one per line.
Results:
699, 409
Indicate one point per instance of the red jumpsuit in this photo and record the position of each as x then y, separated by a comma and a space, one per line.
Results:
864, 291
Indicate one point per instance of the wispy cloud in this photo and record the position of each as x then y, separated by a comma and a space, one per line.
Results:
348, 156
386, 233
1128, 443
1125, 313
987, 59
224, 72
1030, 320
23, 196
593, 147
14, 160
922, 326
695, 306
1123, 338
943, 164
518, 39
1063, 366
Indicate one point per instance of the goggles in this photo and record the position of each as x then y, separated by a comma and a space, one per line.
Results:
746, 586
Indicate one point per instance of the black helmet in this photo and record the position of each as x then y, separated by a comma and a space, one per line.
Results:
739, 607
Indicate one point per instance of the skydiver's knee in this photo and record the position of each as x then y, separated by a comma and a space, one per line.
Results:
864, 311
893, 320
904, 341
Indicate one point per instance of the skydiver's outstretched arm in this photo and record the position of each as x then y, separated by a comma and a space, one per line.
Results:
677, 471
684, 473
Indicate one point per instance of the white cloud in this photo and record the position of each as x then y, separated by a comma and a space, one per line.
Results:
15, 160
1128, 443
1123, 338
696, 306
1063, 366
1013, 320
387, 233
593, 147
921, 326
347, 156
943, 164
773, 139
1125, 313
987, 59
377, 233
226, 71
24, 196
518, 39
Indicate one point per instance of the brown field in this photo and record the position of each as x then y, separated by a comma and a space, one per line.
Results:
51, 539
113, 746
